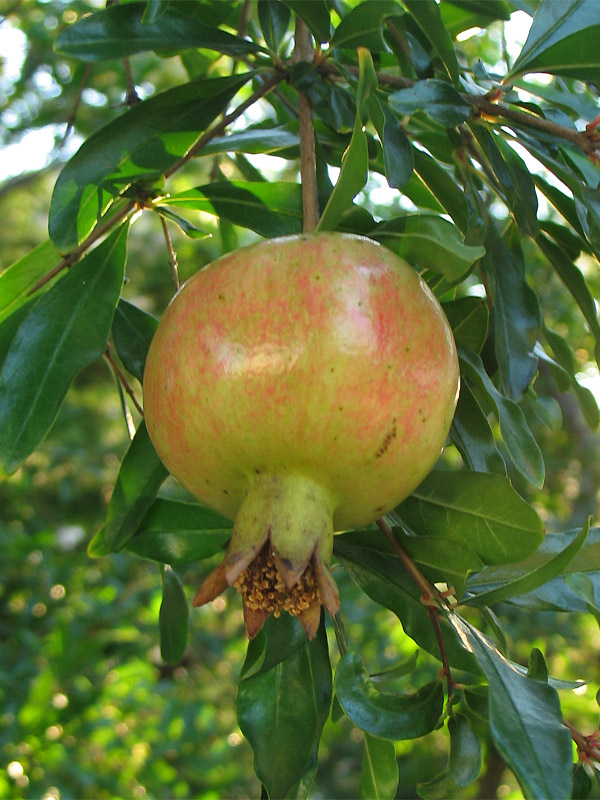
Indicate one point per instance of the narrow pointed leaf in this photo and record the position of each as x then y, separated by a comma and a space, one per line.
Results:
438, 99
173, 532
173, 618
538, 576
464, 763
386, 715
469, 318
120, 31
449, 194
379, 772
274, 18
17, 280
140, 145
64, 332
525, 720
473, 436
362, 26
316, 16
427, 15
520, 442
564, 356
132, 331
140, 477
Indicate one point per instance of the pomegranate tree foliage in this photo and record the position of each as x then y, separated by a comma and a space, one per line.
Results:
493, 194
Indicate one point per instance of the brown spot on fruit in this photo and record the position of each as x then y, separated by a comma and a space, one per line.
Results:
387, 439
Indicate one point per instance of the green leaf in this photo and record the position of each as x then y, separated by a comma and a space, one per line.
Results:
254, 140
575, 282
450, 195
582, 783
537, 668
520, 442
464, 762
528, 581
355, 161
140, 477
564, 356
269, 209
563, 40
279, 639
119, 31
278, 714
361, 26
274, 18
132, 331
473, 436
553, 594
516, 317
525, 720
173, 618
383, 578
182, 223
17, 280
429, 241
476, 509
315, 14
142, 143
426, 14
10, 326
173, 532
386, 715
379, 772
65, 331
398, 159
438, 99
469, 319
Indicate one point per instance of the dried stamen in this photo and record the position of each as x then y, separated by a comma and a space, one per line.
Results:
263, 589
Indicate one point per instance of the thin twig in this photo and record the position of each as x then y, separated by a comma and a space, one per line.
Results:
242, 29
588, 747
308, 170
131, 96
171, 251
122, 379
268, 84
432, 599
75, 109
76, 254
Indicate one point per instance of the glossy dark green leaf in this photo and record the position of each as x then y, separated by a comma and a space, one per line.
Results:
379, 772
516, 316
582, 783
520, 442
563, 354
63, 333
537, 667
315, 14
398, 156
387, 715
140, 477
427, 15
514, 178
538, 576
464, 762
173, 618
525, 720
361, 26
142, 143
398, 670
573, 278
438, 99
553, 594
469, 318
477, 509
431, 242
17, 280
472, 434
183, 224
459, 16
274, 18
119, 31
173, 532
132, 331
254, 140
584, 588
383, 578
279, 639
450, 195
355, 162
561, 202
269, 209
10, 326
278, 714
563, 40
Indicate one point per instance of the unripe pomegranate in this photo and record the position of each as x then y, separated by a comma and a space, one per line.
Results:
300, 386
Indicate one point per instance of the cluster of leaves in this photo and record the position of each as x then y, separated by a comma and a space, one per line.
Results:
394, 99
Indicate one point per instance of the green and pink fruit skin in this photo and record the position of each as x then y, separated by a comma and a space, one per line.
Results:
319, 356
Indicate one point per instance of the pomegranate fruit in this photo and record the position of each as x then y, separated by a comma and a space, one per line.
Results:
299, 386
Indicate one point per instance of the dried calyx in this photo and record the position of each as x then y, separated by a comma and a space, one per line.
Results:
282, 540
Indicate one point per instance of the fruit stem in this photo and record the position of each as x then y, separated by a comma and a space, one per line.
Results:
308, 171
